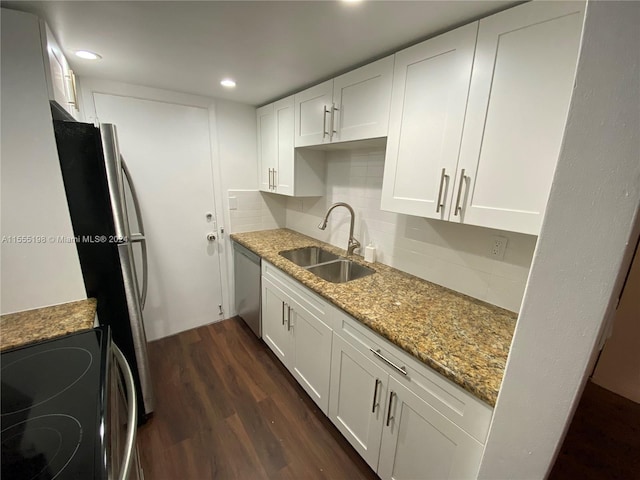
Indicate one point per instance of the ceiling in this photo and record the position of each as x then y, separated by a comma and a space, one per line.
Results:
271, 48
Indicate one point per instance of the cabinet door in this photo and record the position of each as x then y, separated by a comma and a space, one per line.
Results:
313, 114
312, 354
284, 176
361, 101
520, 91
60, 79
267, 146
356, 406
275, 331
419, 442
429, 96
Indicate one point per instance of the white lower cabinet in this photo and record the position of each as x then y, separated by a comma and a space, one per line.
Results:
275, 332
420, 443
356, 405
291, 327
406, 421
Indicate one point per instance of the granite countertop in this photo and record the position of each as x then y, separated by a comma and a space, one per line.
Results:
464, 339
18, 329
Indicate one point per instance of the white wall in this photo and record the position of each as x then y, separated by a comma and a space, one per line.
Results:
233, 147
34, 203
583, 251
452, 255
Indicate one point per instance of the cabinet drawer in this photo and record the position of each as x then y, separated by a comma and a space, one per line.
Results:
459, 406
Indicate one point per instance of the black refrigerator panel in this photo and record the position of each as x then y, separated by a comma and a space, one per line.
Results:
85, 182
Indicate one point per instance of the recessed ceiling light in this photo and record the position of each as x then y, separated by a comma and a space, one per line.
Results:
227, 82
87, 55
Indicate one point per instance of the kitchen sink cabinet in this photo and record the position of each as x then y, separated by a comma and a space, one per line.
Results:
474, 137
353, 106
294, 329
404, 419
282, 169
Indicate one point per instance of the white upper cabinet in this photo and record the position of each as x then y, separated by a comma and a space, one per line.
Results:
483, 151
428, 102
353, 106
267, 146
521, 87
282, 169
61, 81
313, 114
361, 101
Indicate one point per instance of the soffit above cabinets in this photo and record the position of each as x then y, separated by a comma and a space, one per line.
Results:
271, 48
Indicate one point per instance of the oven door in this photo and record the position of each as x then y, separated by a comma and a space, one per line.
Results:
122, 452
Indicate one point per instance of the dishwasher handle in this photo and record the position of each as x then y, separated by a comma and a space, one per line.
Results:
132, 417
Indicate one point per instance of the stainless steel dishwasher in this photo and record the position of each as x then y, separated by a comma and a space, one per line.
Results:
247, 287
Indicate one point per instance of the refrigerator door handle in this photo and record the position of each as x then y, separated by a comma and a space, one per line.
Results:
138, 237
145, 273
134, 194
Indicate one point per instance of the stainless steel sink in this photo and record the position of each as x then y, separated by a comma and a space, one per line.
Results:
340, 271
307, 256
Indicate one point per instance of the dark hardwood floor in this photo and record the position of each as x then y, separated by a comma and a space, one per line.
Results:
603, 441
227, 409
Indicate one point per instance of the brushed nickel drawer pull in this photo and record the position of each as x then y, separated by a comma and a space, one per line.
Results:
402, 370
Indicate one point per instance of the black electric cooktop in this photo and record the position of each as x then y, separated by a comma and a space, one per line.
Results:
53, 408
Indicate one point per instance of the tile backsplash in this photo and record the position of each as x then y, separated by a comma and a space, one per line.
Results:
449, 254
251, 210
453, 255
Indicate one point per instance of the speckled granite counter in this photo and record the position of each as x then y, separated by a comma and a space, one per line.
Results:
17, 329
462, 338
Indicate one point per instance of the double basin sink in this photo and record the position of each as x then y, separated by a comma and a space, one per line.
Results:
326, 265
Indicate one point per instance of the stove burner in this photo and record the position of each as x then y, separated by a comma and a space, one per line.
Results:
41, 447
26, 384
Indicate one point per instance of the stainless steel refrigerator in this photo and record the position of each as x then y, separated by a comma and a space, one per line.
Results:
109, 236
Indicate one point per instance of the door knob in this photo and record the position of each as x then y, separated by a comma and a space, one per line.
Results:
211, 237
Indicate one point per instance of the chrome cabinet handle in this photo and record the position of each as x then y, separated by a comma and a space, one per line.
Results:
270, 179
458, 207
389, 417
402, 370
288, 318
132, 414
375, 396
332, 128
275, 184
324, 121
440, 204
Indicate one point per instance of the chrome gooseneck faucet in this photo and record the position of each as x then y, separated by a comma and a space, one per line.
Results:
353, 243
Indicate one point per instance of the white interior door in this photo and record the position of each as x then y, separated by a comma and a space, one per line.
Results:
167, 149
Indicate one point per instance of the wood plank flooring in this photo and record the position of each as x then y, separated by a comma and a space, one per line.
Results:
228, 409
603, 441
